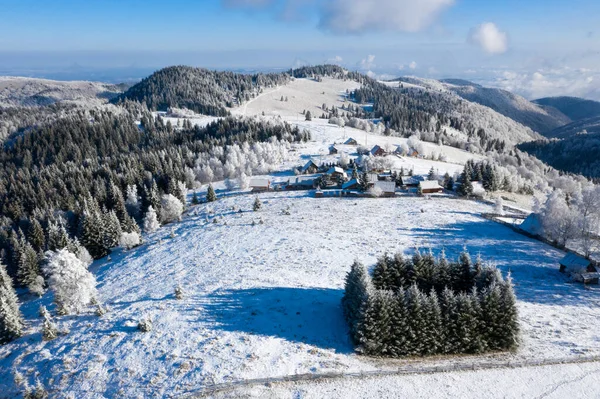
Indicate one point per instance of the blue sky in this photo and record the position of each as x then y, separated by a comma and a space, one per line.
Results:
504, 43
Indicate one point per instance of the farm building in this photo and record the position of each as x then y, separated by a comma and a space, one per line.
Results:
430, 187
310, 167
333, 150
337, 172
351, 141
410, 181
579, 268
377, 151
260, 184
351, 185
302, 183
413, 153
388, 188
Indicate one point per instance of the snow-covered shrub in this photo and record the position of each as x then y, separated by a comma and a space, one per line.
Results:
151, 223
375, 192
100, 310
145, 325
171, 208
49, 330
73, 285
179, 292
37, 286
229, 184
499, 206
243, 181
130, 240
257, 204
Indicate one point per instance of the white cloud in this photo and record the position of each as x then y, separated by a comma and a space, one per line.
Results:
367, 63
491, 39
412, 65
563, 81
337, 60
358, 16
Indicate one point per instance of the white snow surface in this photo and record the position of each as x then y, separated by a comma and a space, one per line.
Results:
263, 300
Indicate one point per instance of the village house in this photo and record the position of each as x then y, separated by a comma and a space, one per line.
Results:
259, 184
377, 151
351, 185
310, 168
388, 188
430, 187
337, 173
351, 141
302, 183
409, 181
579, 269
333, 150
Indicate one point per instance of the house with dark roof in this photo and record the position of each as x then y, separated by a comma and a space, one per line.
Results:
351, 141
579, 268
310, 167
377, 151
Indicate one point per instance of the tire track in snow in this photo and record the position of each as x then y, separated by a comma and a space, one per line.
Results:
405, 370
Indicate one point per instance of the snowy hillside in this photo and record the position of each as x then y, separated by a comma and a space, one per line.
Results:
500, 114
539, 118
262, 295
20, 91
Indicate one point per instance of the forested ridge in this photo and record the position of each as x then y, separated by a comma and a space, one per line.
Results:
198, 89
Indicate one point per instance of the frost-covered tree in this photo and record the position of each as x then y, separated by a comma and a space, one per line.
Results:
74, 287
172, 208
211, 196
588, 217
57, 236
257, 204
35, 235
558, 218
308, 116
499, 206
151, 223
130, 240
92, 230
132, 202
11, 320
358, 286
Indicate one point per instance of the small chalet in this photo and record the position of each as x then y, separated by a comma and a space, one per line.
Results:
260, 184
579, 268
333, 150
388, 188
337, 172
351, 185
430, 187
351, 141
377, 151
413, 153
309, 168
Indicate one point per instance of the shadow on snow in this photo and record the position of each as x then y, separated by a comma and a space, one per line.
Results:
309, 315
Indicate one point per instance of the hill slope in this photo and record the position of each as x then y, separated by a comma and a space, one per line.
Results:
30, 92
539, 118
574, 107
200, 90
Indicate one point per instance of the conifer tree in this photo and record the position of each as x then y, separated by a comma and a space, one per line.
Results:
151, 223
400, 327
211, 196
11, 320
195, 199
398, 273
381, 274
509, 320
112, 229
466, 187
57, 236
35, 235
132, 202
375, 331
28, 269
357, 288
92, 232
308, 116
413, 300
257, 204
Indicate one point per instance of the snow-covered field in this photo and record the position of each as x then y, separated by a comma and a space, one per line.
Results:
263, 294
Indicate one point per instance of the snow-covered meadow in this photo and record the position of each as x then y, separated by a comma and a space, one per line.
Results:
262, 296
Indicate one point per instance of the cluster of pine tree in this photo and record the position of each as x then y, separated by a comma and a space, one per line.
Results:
200, 90
426, 306
83, 180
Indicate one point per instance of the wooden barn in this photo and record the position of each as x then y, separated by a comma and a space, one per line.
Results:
351, 141
336, 172
333, 150
388, 188
260, 184
377, 151
430, 187
579, 268
409, 181
351, 185
310, 168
